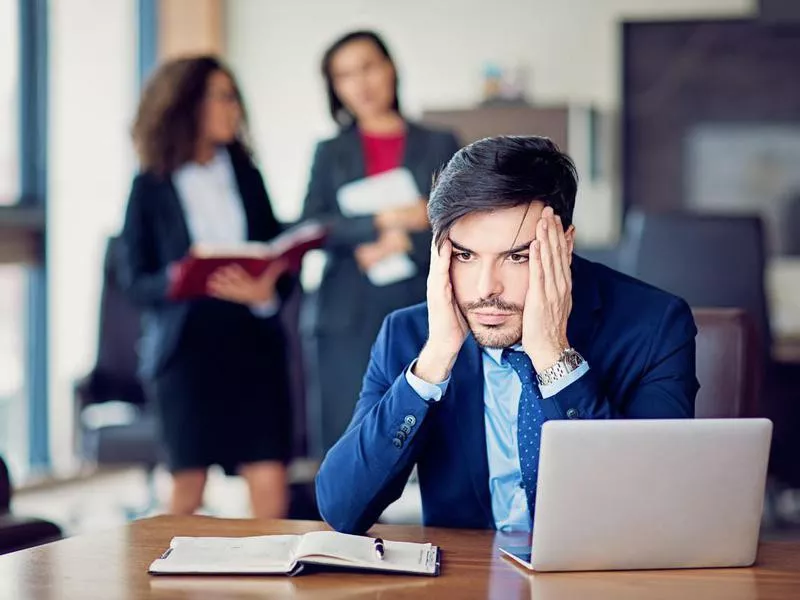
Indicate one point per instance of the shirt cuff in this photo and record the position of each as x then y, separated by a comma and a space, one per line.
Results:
267, 309
551, 390
430, 392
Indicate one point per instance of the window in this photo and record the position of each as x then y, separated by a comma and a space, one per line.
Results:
13, 352
9, 103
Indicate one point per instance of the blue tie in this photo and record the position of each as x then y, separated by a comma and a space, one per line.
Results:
529, 423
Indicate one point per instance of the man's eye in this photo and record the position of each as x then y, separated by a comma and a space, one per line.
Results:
463, 256
518, 258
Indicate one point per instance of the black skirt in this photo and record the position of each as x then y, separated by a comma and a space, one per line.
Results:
223, 398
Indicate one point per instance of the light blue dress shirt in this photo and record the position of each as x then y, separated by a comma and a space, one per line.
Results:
501, 392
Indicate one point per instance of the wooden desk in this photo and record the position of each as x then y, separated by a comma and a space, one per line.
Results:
113, 565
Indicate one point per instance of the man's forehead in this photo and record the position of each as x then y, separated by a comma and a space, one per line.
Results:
498, 230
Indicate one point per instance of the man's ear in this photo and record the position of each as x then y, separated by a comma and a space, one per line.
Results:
569, 234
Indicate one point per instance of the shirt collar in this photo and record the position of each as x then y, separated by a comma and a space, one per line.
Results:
496, 354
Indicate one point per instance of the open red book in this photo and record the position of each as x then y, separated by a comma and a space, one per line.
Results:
192, 272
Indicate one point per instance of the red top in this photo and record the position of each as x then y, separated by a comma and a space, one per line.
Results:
382, 152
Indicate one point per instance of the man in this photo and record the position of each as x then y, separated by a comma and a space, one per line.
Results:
516, 331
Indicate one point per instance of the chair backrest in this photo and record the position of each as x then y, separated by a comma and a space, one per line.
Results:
728, 364
708, 260
119, 330
5, 488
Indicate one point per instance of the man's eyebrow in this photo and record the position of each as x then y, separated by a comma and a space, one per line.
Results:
514, 250
459, 247
518, 249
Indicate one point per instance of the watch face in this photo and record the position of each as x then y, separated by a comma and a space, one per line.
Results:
572, 359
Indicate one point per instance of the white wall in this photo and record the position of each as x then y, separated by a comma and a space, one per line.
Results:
92, 98
570, 47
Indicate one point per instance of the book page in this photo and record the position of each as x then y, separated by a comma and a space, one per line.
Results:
258, 554
332, 548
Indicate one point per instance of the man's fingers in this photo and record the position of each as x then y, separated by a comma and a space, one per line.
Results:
553, 232
564, 251
546, 256
536, 279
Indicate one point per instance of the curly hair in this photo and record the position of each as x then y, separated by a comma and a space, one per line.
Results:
167, 121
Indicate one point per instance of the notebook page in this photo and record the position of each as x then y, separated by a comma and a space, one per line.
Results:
257, 554
332, 548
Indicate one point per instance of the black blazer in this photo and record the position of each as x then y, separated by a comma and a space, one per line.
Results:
155, 234
346, 296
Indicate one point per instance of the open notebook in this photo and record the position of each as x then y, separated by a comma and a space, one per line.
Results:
290, 554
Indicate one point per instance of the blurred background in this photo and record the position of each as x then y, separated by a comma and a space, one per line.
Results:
683, 117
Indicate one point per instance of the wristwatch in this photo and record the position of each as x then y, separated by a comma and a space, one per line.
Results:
568, 361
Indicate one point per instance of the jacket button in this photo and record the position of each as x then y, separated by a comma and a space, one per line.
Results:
410, 420
400, 436
405, 429
397, 443
572, 413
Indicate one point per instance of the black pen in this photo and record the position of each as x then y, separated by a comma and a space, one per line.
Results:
379, 548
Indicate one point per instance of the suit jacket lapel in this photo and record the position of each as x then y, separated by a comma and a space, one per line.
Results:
175, 215
351, 158
467, 387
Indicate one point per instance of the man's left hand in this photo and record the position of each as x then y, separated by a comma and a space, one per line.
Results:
549, 300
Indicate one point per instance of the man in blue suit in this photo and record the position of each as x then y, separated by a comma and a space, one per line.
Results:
516, 331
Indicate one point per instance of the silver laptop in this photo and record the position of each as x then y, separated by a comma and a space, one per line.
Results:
648, 494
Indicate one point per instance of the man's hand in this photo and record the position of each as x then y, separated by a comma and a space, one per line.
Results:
234, 284
549, 300
447, 326
410, 218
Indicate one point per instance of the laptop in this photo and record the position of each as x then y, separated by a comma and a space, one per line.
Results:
648, 494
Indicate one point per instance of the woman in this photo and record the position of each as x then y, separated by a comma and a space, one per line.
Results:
361, 81
216, 366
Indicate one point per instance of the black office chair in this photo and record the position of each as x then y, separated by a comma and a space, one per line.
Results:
20, 532
708, 260
114, 424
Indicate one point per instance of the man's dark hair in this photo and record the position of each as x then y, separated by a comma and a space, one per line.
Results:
502, 172
339, 112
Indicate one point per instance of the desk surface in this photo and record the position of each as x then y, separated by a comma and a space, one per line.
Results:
113, 565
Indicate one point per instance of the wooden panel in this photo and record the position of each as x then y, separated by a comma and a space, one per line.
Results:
477, 123
188, 27
113, 564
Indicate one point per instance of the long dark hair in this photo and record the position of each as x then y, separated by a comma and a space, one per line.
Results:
339, 111
167, 121
502, 172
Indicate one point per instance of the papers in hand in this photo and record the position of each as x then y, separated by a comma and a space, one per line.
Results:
289, 554
370, 195
389, 190
392, 269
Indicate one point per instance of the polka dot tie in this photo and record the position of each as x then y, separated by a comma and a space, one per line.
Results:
529, 422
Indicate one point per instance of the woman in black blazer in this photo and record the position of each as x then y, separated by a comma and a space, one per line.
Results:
374, 137
216, 366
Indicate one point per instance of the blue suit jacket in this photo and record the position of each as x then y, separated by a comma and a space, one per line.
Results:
638, 340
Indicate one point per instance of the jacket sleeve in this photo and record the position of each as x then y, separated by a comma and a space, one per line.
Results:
369, 466
345, 233
666, 390
143, 279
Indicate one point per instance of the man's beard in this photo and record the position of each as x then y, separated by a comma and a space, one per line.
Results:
494, 336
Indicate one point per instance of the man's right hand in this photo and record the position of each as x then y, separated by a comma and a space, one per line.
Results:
447, 326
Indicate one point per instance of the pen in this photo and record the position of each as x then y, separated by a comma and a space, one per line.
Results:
379, 548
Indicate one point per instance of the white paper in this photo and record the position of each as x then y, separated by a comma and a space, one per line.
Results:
370, 195
394, 268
